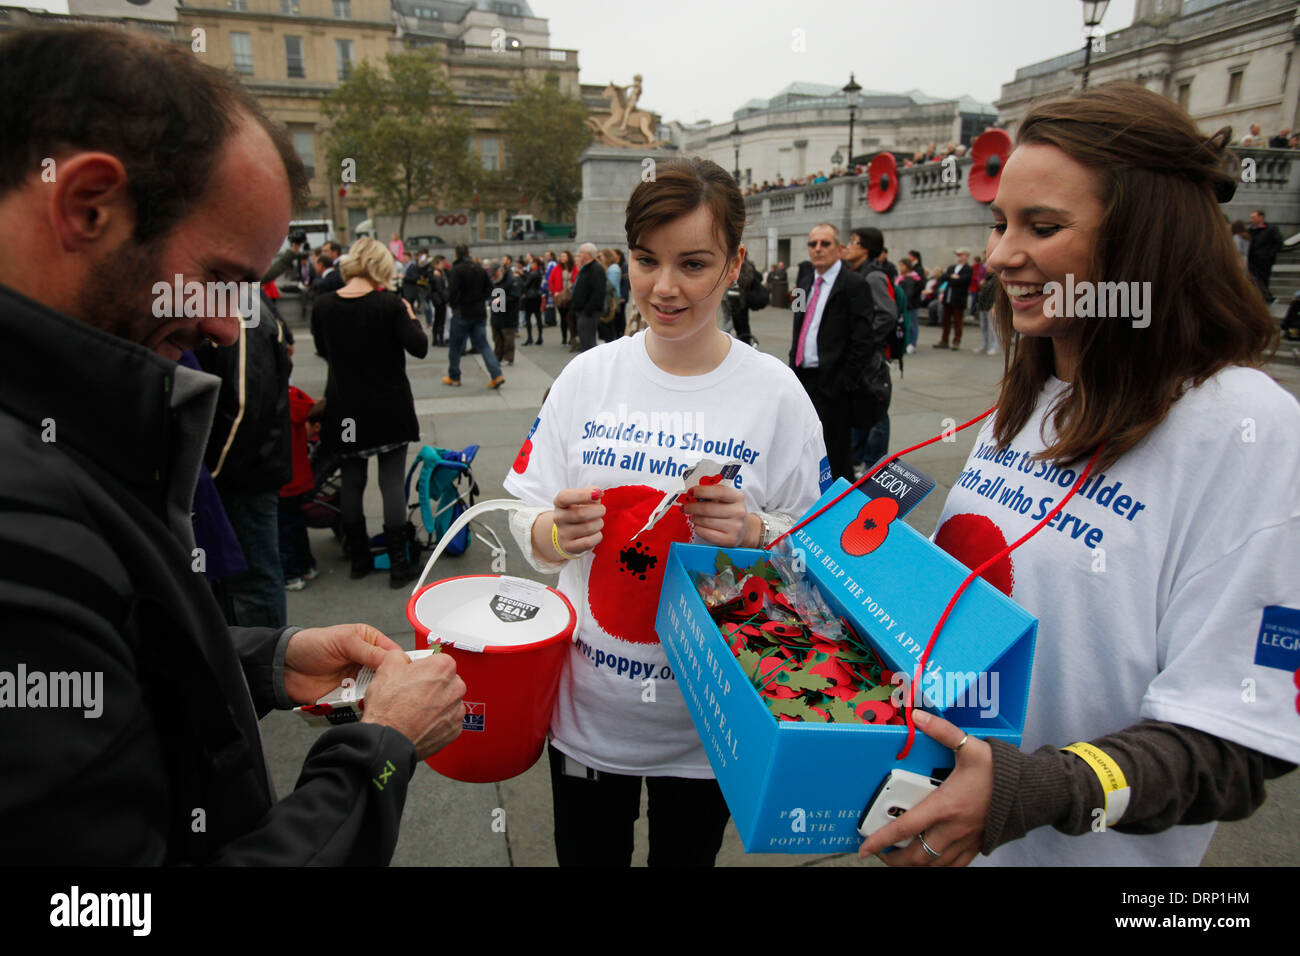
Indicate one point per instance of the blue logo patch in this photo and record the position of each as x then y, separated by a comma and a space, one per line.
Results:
1278, 644
536, 421
824, 478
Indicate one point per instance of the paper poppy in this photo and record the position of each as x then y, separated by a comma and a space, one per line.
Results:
868, 530
989, 154
882, 188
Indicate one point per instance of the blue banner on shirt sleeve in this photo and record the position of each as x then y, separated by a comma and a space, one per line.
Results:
1278, 644
824, 475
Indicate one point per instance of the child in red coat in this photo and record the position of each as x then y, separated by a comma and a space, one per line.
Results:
295, 548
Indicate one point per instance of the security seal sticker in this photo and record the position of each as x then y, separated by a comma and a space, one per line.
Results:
517, 599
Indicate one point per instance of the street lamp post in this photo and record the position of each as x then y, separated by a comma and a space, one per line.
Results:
1093, 11
735, 143
836, 158
851, 91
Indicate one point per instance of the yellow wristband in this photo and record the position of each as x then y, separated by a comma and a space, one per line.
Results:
1114, 787
555, 542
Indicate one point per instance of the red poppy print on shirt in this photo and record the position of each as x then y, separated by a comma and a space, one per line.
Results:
526, 450
626, 576
972, 540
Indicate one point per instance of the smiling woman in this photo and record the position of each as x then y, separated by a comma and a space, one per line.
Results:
1159, 700
593, 488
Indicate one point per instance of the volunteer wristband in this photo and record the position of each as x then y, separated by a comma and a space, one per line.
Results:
555, 542
1115, 789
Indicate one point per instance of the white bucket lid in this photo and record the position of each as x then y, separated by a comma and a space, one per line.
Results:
489, 611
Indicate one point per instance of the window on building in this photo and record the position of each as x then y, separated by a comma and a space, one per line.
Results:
289, 8
507, 9
749, 177
1184, 94
304, 145
239, 6
241, 51
344, 50
489, 154
342, 9
427, 13
293, 56
1234, 85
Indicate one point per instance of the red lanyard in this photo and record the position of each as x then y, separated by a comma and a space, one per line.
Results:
952, 602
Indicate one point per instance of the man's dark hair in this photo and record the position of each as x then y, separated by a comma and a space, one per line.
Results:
335, 249
155, 106
869, 238
1261, 213
462, 251
325, 259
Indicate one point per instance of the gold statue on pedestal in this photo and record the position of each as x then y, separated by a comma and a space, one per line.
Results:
623, 113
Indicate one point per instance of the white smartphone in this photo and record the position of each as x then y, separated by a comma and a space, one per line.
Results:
897, 793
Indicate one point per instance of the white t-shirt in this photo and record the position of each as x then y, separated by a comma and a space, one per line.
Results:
1151, 587
616, 421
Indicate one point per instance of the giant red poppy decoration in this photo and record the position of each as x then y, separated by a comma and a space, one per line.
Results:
988, 154
882, 189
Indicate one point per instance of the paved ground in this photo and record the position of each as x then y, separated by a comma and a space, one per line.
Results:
451, 823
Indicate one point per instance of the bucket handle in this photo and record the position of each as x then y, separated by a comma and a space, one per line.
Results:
494, 504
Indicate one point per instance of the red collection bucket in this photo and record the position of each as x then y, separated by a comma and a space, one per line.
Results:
509, 638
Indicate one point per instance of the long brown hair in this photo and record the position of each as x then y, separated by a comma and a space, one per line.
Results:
1162, 180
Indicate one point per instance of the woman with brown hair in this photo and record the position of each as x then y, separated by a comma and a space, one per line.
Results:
618, 427
1165, 590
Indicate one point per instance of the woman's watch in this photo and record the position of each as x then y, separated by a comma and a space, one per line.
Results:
764, 536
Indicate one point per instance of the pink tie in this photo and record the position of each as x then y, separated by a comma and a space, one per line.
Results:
807, 321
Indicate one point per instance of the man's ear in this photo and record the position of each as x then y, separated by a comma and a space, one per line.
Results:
91, 202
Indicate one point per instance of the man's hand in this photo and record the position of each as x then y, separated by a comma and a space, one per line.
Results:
720, 516
420, 699
319, 658
952, 818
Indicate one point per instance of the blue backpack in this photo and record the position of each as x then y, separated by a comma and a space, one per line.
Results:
445, 488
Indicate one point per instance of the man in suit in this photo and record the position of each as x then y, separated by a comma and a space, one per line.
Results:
957, 276
832, 341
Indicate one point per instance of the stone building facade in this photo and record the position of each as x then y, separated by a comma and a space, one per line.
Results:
1227, 62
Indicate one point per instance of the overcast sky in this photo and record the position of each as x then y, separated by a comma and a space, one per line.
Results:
702, 59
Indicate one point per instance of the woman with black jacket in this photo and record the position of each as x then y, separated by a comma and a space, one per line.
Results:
369, 411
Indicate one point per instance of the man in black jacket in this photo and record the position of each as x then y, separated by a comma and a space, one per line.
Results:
588, 295
871, 434
100, 580
956, 292
467, 296
832, 341
1265, 243
250, 457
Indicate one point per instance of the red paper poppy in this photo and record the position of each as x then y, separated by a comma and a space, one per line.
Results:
989, 154
882, 189
868, 530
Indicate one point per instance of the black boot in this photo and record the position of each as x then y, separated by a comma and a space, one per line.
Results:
400, 569
358, 547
